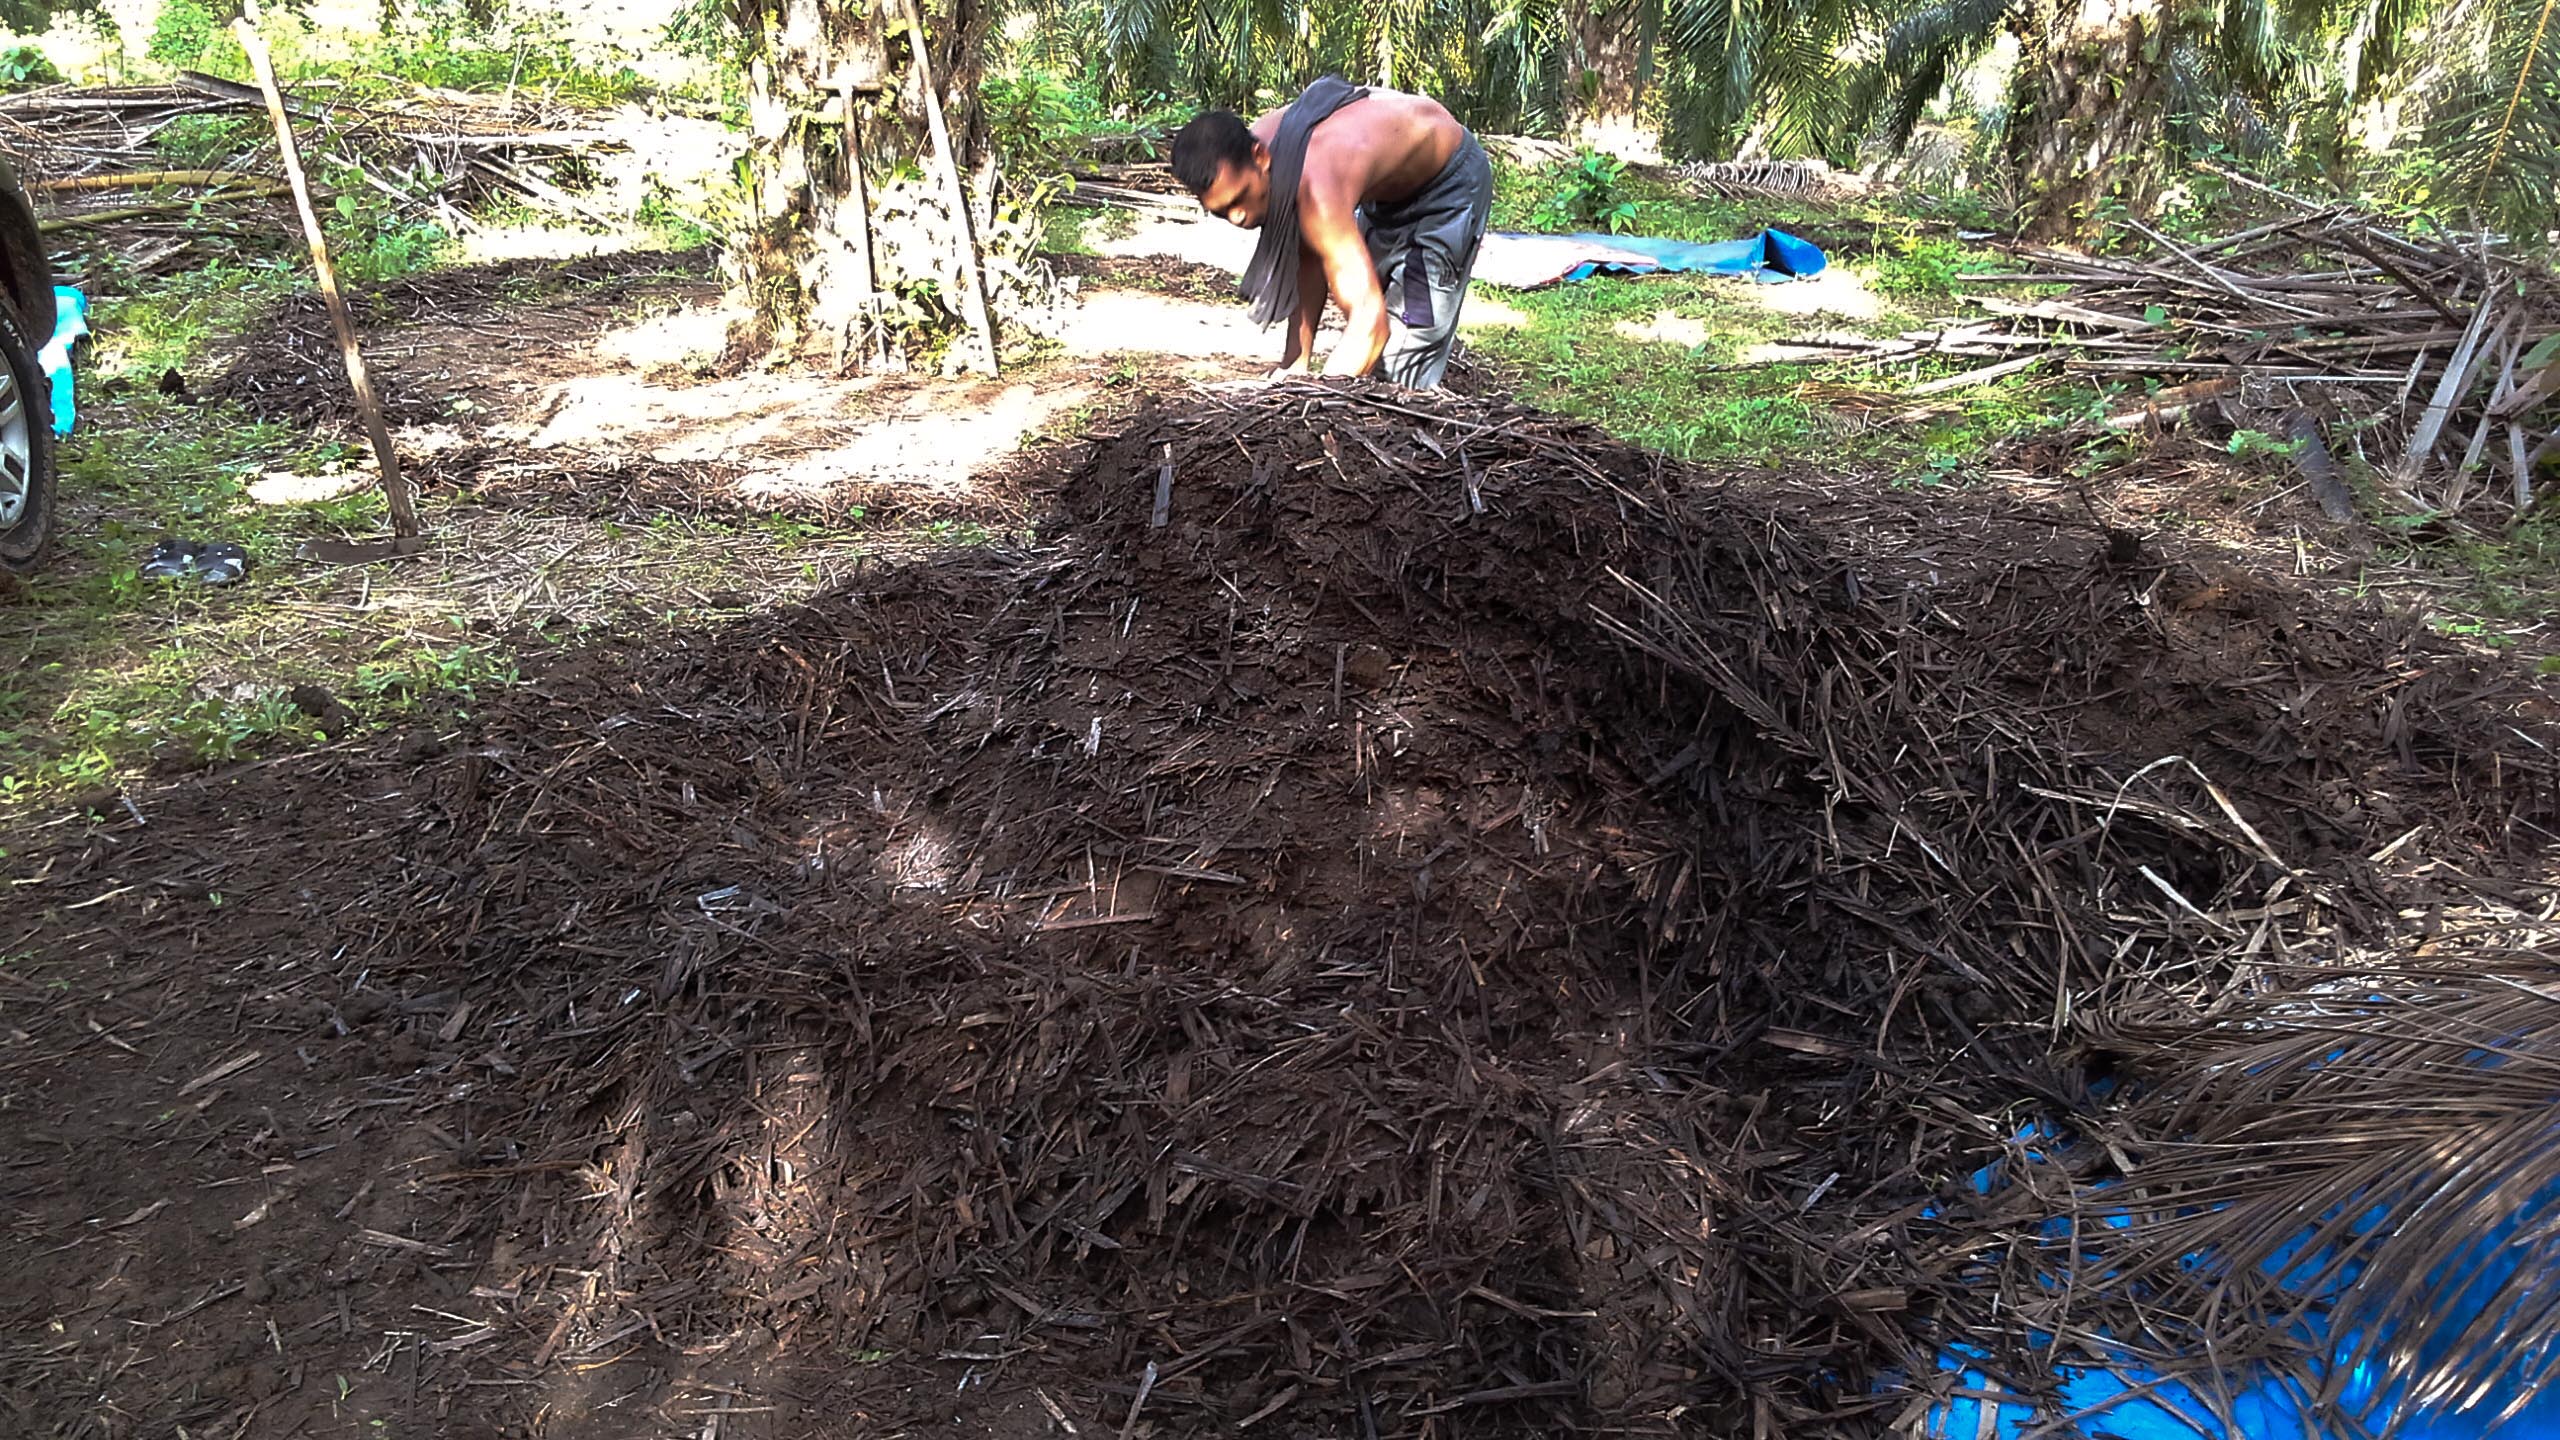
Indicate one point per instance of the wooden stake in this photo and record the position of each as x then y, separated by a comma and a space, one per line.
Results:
395, 491
973, 288
857, 192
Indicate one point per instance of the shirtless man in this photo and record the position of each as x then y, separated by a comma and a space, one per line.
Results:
1374, 197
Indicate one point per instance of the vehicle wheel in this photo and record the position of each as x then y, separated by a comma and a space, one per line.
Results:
26, 450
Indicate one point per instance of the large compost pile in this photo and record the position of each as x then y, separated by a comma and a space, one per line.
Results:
1394, 918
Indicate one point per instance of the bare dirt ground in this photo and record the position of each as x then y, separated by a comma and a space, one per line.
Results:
1368, 916
625, 360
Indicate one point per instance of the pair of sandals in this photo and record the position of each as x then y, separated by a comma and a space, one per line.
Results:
210, 562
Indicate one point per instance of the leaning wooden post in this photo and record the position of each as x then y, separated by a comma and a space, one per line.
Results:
404, 513
973, 288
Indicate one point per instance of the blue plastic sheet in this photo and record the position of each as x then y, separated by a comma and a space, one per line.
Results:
2131, 1400
71, 309
1769, 255
1524, 262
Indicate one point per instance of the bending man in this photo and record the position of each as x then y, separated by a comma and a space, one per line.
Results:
1376, 198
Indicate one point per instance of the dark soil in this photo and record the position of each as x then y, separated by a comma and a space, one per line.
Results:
288, 368
1460, 929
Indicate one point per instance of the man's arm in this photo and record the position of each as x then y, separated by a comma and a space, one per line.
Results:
1310, 314
1329, 229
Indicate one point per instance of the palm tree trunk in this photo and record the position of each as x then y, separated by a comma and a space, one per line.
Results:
2089, 105
1612, 69
816, 125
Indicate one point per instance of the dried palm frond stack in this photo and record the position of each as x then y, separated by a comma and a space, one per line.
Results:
148, 173
2420, 369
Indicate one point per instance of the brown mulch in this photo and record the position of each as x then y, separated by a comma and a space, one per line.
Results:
1463, 928
288, 368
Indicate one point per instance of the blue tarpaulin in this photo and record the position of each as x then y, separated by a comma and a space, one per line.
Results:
1525, 262
2130, 1399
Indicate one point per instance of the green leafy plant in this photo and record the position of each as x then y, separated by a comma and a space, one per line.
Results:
1039, 121
194, 140
470, 45
703, 30
2258, 444
24, 67
1590, 194
183, 32
1915, 266
675, 226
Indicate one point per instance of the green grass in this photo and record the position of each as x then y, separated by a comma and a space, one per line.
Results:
114, 673
1694, 401
2510, 579
104, 673
203, 140
535, 64
167, 324
1570, 357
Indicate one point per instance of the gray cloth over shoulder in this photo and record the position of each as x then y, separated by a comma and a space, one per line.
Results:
1271, 279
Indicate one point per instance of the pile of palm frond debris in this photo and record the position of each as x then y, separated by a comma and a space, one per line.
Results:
1397, 917
1751, 179
160, 174
2425, 364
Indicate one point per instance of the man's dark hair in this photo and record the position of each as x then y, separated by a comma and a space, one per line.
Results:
1213, 138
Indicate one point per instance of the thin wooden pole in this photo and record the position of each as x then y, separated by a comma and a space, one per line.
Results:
973, 289
395, 491
857, 193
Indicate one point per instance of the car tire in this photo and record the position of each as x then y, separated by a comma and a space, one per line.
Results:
26, 450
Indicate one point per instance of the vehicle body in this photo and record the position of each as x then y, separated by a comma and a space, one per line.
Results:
27, 318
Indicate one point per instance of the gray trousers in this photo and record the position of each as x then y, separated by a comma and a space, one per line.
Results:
1425, 248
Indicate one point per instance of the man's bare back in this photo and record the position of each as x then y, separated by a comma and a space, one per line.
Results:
1382, 147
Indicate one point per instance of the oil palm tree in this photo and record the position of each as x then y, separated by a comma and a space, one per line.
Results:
2101, 84
1716, 74
2492, 94
2374, 1153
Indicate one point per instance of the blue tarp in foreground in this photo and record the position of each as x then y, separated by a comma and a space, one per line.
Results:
2131, 1400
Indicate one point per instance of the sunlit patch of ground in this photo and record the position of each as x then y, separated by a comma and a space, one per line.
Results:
1116, 322
941, 440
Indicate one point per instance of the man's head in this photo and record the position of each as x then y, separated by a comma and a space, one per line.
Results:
1225, 166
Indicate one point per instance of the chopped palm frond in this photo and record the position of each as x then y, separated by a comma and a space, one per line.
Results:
2381, 1151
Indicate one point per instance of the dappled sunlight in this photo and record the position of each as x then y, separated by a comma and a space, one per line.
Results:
940, 447
283, 487
800, 432
717, 420
489, 244
925, 847
1115, 322
689, 337
1838, 290
1487, 311
1666, 328
1202, 242
675, 161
